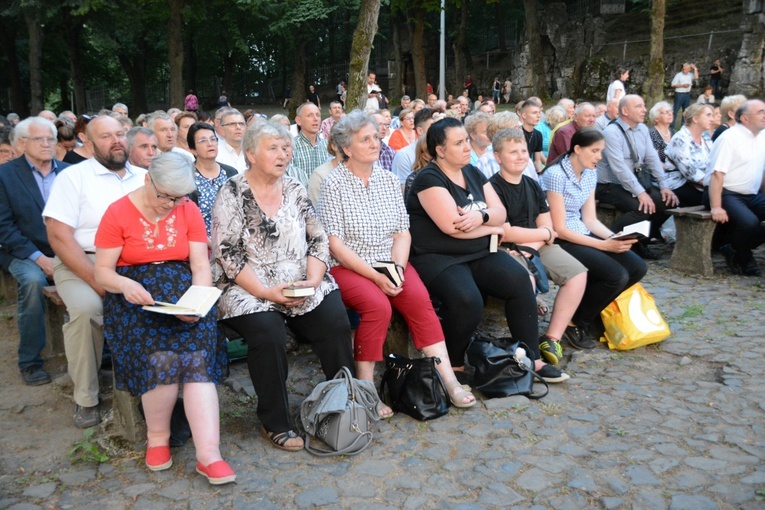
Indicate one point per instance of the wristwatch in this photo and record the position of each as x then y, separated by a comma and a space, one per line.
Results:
485, 215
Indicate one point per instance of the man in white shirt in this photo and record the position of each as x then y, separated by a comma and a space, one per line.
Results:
732, 186
373, 93
232, 128
683, 83
77, 202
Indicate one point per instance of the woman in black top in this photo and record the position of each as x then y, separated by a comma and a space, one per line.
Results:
453, 213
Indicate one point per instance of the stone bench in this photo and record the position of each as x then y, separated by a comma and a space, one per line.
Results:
607, 213
124, 405
55, 318
693, 248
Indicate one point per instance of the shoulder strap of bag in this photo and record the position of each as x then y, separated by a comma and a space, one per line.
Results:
534, 395
633, 154
529, 189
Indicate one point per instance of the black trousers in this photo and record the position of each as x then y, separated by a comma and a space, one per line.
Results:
608, 275
616, 195
326, 327
461, 288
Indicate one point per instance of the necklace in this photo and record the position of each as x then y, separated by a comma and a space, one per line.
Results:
664, 134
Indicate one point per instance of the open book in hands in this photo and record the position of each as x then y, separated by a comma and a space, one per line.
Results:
197, 301
640, 230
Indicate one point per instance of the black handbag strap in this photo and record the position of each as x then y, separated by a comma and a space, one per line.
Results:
534, 395
633, 153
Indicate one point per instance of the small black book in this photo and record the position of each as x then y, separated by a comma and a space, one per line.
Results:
389, 269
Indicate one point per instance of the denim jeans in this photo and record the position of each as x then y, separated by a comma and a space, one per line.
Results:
31, 311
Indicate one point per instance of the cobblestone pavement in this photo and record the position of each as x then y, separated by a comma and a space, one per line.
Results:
680, 425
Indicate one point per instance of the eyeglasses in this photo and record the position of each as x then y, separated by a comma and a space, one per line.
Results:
408, 118
42, 140
385, 125
174, 200
205, 141
237, 124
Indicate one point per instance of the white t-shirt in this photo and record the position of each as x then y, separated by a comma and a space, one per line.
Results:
741, 157
372, 102
611, 94
82, 193
683, 78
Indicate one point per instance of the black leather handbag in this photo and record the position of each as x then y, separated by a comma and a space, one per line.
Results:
499, 372
414, 387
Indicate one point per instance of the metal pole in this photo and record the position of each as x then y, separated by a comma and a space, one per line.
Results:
442, 55
624, 53
711, 35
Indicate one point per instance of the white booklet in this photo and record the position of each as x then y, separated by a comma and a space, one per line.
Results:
639, 230
198, 301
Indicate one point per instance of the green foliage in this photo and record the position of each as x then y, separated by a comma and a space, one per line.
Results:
88, 450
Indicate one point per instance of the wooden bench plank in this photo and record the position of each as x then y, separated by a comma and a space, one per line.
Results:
699, 212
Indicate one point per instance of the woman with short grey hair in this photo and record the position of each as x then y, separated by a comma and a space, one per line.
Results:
363, 212
662, 118
266, 240
151, 246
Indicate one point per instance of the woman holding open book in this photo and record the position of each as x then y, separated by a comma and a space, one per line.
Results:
151, 246
363, 212
611, 266
270, 258
456, 216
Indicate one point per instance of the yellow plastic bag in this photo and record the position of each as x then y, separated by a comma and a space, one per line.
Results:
632, 320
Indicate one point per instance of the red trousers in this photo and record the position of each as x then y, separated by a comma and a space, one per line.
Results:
375, 308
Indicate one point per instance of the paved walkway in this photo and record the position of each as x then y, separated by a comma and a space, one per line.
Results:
679, 425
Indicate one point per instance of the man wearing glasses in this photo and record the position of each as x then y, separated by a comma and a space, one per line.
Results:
72, 215
232, 128
386, 152
25, 185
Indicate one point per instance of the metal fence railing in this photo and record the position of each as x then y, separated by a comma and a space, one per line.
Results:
709, 35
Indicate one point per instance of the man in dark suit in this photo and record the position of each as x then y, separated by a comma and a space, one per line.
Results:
25, 184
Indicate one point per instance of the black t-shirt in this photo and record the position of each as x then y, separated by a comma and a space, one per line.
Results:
397, 111
533, 141
432, 250
314, 98
523, 201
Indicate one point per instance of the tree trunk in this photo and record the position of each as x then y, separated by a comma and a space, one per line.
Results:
228, 74
653, 87
499, 16
462, 57
63, 87
190, 59
8, 40
72, 31
135, 70
418, 53
398, 85
538, 76
35, 61
175, 52
360, 50
298, 94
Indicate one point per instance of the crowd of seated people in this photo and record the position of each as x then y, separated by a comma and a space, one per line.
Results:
102, 209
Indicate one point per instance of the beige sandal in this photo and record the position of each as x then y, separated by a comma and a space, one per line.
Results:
457, 395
